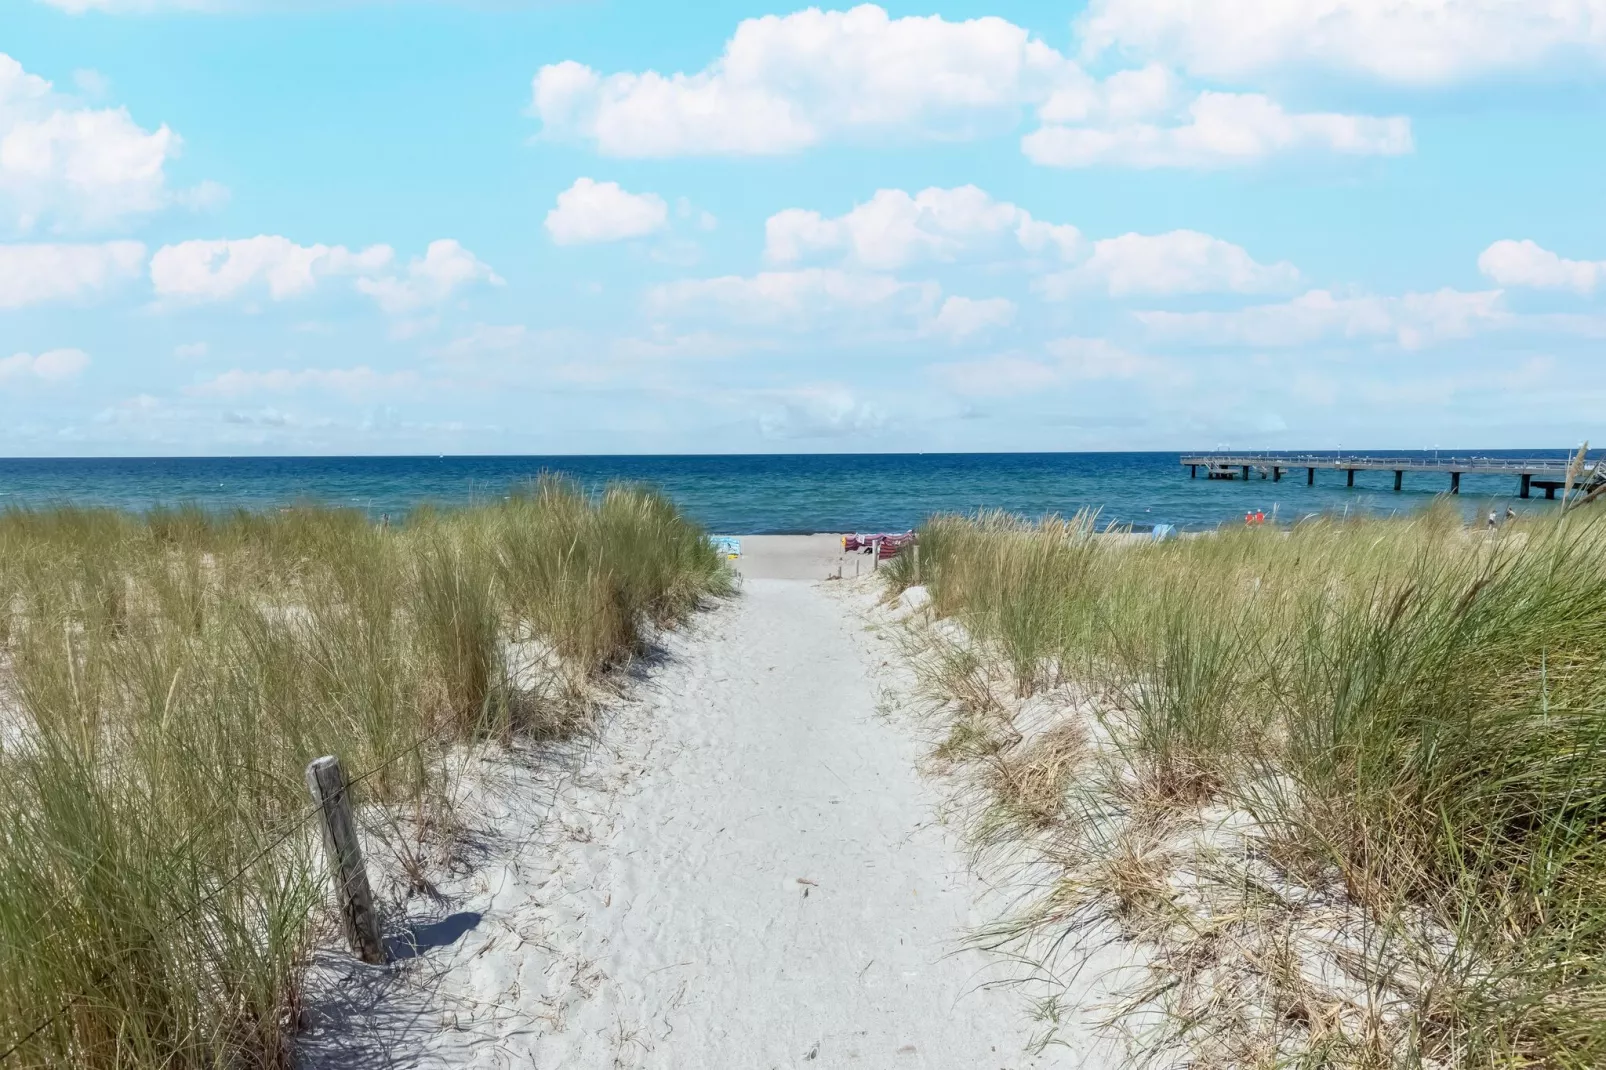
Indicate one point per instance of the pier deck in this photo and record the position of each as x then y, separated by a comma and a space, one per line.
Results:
1544, 473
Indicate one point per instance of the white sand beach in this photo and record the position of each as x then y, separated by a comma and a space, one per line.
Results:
747, 871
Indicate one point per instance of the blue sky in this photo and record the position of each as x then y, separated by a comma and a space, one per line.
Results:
258, 226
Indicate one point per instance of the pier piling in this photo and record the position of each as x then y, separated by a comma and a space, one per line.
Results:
1545, 473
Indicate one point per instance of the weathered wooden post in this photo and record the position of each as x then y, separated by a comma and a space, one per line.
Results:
1455, 482
1399, 479
916, 549
327, 783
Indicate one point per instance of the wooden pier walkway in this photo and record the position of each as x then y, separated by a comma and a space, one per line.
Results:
1546, 473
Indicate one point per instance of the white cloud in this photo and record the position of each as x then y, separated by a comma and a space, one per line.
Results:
820, 411
74, 167
787, 82
1526, 263
359, 382
30, 274
432, 279
216, 270
963, 317
1222, 129
590, 211
191, 350
894, 229
796, 298
219, 270
1412, 320
1179, 261
1406, 41
51, 366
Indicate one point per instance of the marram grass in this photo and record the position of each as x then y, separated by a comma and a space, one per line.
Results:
1413, 712
165, 679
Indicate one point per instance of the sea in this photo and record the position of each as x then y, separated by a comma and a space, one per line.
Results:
766, 494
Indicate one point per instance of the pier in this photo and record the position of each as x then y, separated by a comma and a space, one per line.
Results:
1548, 474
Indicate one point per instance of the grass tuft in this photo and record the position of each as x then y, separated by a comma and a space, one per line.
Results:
165, 678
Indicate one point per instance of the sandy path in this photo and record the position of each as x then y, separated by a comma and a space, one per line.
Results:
780, 892
749, 875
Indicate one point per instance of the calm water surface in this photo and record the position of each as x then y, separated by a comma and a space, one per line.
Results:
756, 494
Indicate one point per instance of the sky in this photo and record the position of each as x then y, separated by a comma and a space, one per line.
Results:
613, 226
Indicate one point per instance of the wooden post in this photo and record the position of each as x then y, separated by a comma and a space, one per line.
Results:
327, 783
1527, 479
916, 549
1276, 474
1193, 471
1455, 482
1399, 478
1246, 473
1310, 477
1351, 472
875, 556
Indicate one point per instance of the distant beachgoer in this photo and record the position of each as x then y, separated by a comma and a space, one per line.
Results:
1493, 523
1511, 514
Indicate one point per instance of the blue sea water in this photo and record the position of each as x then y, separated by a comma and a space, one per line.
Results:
742, 495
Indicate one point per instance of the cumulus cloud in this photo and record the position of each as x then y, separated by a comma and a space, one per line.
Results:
895, 228
280, 268
1220, 129
1179, 261
1526, 263
359, 382
787, 82
961, 318
31, 274
216, 270
797, 298
72, 167
591, 211
431, 279
51, 366
1403, 41
1412, 320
